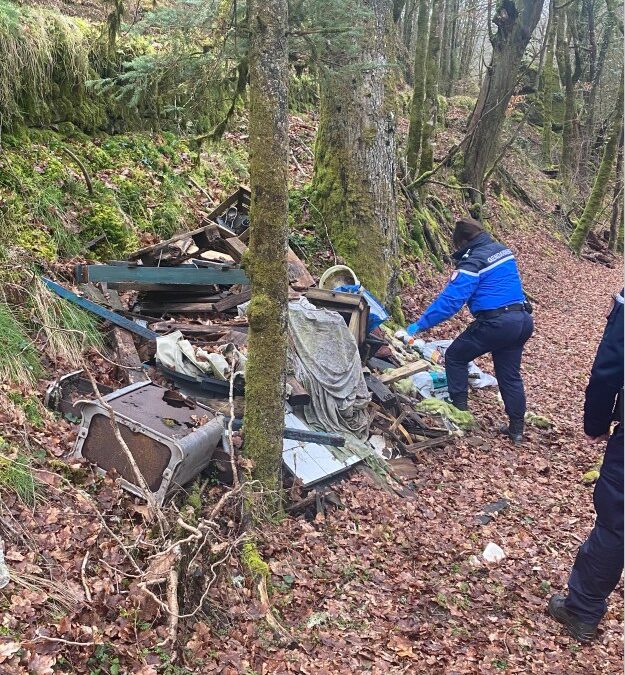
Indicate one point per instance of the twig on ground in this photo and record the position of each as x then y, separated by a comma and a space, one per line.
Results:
83, 576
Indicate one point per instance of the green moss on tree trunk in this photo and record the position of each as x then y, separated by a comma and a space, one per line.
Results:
549, 82
600, 186
431, 89
417, 107
354, 172
267, 260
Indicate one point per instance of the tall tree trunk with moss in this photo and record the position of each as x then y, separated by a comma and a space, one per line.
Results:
600, 186
265, 373
431, 88
615, 242
417, 106
548, 85
569, 75
515, 21
354, 169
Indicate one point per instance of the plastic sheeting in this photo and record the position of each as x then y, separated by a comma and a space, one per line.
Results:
324, 357
478, 379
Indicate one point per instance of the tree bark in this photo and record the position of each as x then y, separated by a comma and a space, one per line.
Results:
516, 21
615, 243
431, 89
417, 106
600, 186
354, 171
549, 82
267, 259
568, 78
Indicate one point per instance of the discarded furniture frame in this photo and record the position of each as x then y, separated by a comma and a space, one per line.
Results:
351, 306
168, 446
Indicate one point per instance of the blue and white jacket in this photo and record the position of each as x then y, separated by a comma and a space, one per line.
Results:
486, 277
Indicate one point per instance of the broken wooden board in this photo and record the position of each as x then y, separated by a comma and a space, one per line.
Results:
177, 308
404, 468
405, 371
422, 445
380, 392
198, 329
234, 300
175, 250
126, 355
299, 395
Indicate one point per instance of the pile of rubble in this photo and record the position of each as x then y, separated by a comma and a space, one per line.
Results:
177, 311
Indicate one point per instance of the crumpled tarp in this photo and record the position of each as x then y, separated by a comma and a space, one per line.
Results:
324, 357
178, 354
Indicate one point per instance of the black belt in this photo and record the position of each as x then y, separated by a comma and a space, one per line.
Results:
492, 313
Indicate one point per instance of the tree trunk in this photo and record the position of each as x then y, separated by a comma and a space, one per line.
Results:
549, 82
568, 77
615, 242
600, 187
445, 46
469, 40
589, 126
417, 106
267, 262
354, 172
453, 48
515, 20
431, 89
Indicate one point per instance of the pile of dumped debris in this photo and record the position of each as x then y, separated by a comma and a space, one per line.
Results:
177, 311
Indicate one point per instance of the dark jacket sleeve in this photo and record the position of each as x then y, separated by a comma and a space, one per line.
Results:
606, 377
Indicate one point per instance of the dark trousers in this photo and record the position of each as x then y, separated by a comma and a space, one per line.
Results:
504, 337
599, 563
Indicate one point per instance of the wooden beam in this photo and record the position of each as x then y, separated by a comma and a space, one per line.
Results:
100, 311
380, 392
405, 371
184, 275
234, 300
299, 395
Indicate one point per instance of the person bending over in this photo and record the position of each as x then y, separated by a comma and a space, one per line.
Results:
487, 279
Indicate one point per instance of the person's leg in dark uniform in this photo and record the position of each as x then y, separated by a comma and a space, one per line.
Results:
599, 562
505, 335
507, 362
470, 344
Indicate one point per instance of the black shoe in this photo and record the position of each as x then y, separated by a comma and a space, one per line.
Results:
583, 632
515, 436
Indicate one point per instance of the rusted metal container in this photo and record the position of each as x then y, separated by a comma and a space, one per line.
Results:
162, 434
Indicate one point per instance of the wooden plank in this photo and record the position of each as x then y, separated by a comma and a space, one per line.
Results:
196, 329
202, 234
334, 298
234, 247
380, 392
422, 445
183, 275
379, 364
234, 300
304, 435
100, 311
299, 395
178, 307
299, 276
405, 371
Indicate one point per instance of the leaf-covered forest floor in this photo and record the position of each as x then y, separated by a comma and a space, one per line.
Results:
388, 584
384, 584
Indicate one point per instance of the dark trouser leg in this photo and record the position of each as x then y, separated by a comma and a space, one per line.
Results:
466, 347
599, 563
507, 364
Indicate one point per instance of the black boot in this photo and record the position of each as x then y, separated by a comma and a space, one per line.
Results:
583, 632
460, 402
514, 431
